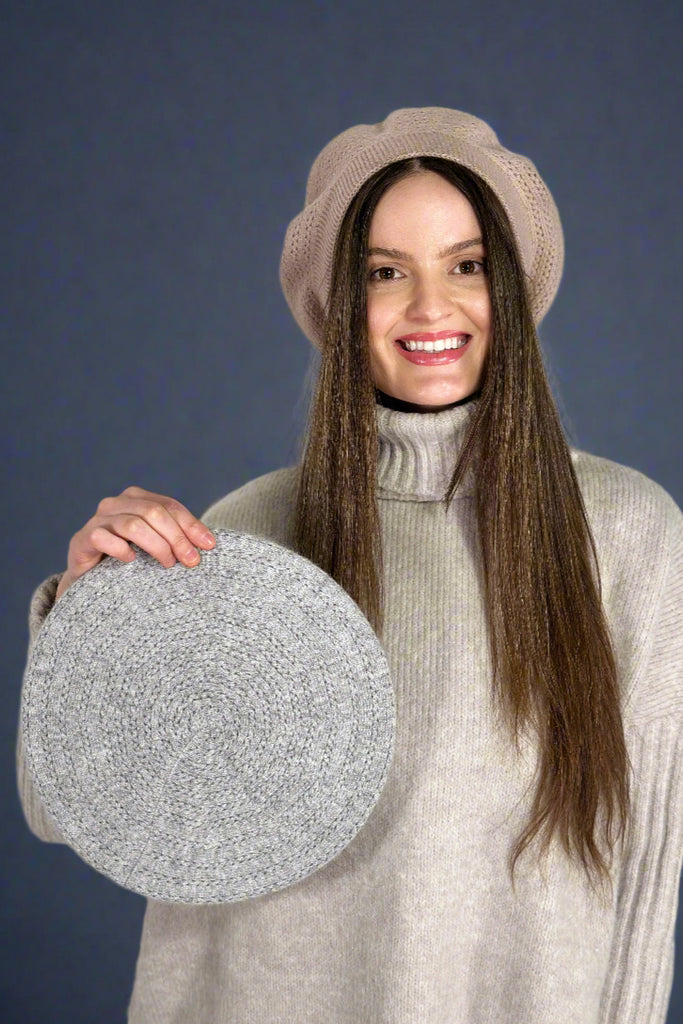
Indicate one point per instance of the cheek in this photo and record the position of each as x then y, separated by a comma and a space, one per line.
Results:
483, 309
376, 318
478, 307
383, 311
378, 325
479, 302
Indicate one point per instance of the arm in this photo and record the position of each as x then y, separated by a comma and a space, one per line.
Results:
640, 976
36, 816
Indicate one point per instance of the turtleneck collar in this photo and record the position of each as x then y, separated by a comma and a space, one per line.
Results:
418, 452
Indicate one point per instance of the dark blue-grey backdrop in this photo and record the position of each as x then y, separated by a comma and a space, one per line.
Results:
152, 155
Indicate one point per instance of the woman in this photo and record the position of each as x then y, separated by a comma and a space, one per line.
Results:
522, 862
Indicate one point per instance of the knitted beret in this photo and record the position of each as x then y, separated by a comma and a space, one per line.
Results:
212, 734
354, 156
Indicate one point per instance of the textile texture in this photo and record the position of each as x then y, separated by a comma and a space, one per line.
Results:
353, 157
417, 920
213, 735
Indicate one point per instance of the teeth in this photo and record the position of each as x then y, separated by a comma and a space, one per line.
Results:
436, 346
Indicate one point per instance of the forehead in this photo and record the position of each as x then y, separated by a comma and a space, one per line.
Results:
422, 208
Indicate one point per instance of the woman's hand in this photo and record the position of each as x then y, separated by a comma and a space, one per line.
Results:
156, 524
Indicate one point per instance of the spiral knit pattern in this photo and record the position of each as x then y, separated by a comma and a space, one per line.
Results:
213, 734
416, 919
354, 156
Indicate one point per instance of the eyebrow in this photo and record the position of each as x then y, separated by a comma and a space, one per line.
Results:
452, 250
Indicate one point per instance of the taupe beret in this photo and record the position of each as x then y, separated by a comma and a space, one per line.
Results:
357, 153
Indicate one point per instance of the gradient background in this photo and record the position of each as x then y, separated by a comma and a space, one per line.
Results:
152, 158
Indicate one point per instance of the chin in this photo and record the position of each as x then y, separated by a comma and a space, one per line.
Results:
407, 402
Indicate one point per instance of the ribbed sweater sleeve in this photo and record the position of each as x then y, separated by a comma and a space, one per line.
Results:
640, 974
638, 983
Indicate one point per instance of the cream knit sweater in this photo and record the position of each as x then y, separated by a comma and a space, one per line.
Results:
416, 921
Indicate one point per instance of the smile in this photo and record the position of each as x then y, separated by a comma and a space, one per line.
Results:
439, 345
433, 352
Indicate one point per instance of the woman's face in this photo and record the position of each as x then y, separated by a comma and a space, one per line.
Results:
429, 312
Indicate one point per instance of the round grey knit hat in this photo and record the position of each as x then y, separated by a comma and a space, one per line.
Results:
354, 156
211, 734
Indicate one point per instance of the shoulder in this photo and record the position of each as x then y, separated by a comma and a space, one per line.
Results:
263, 507
630, 515
636, 524
609, 487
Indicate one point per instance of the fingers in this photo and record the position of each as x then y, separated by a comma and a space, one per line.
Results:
92, 543
155, 523
160, 536
192, 527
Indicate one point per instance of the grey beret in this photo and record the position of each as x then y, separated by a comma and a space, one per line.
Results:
354, 156
210, 734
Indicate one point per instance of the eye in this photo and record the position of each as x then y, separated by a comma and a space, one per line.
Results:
385, 274
469, 267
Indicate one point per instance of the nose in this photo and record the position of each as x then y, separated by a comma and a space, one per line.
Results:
431, 300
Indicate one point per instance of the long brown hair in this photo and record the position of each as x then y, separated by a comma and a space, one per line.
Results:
553, 663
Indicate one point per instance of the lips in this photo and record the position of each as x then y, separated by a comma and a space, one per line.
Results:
421, 356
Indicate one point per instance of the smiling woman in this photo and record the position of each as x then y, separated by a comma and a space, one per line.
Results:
428, 310
522, 861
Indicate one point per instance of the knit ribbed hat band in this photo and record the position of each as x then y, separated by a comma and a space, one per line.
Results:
351, 158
